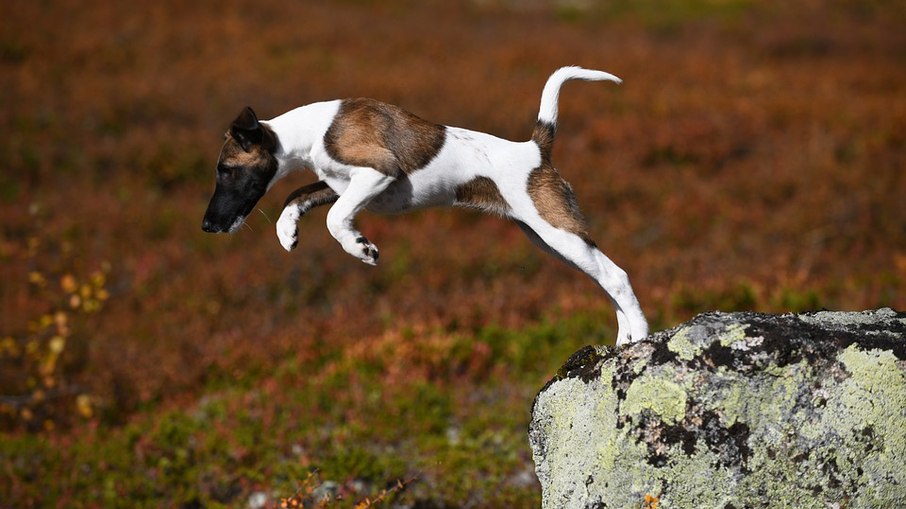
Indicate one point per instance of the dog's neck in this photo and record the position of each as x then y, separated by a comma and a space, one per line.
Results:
298, 131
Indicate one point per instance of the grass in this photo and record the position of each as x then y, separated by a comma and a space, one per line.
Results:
752, 160
438, 403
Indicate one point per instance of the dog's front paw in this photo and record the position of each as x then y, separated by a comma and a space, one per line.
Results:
287, 228
369, 252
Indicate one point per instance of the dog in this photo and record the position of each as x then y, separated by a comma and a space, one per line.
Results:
371, 155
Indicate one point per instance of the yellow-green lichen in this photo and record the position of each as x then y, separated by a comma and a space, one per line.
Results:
607, 451
697, 481
580, 413
682, 346
873, 398
734, 333
731, 398
657, 393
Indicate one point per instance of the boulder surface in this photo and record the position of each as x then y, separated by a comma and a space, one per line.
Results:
731, 411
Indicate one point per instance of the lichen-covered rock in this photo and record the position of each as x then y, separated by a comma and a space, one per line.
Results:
731, 411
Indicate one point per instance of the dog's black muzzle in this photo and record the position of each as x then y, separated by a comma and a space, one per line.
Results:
209, 227
229, 207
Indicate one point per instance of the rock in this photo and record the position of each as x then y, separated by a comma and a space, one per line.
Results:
731, 411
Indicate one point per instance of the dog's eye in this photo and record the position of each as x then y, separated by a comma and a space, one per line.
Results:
226, 172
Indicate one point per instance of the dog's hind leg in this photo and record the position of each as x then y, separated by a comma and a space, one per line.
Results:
622, 320
583, 255
297, 204
364, 184
552, 220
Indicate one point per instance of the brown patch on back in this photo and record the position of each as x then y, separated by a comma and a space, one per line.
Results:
387, 138
555, 201
482, 193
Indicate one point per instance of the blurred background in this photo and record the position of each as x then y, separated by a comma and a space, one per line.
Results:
752, 160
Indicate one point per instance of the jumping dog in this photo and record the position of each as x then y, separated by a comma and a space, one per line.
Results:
376, 156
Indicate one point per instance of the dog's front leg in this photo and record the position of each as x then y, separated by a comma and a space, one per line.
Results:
364, 184
297, 204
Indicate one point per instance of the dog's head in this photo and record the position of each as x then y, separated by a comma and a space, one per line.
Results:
244, 172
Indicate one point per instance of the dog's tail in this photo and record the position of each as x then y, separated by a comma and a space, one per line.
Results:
546, 126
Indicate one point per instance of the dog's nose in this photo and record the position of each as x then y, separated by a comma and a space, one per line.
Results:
207, 226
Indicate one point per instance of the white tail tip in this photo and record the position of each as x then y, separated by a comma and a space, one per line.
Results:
551, 93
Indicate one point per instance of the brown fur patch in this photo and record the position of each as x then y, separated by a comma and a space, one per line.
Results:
387, 138
259, 158
543, 136
481, 193
556, 202
312, 195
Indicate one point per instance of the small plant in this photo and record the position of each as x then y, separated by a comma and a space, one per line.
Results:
651, 502
310, 495
36, 391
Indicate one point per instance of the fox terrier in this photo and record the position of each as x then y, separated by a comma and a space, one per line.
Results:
371, 155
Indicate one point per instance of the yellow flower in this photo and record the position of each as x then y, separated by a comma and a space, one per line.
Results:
68, 283
9, 346
84, 406
57, 343
36, 278
98, 279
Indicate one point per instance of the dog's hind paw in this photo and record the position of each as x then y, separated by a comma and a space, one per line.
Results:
287, 229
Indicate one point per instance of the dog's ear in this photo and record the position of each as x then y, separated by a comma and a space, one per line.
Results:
246, 129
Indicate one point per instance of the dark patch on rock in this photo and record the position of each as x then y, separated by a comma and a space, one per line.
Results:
584, 365
730, 444
787, 339
878, 341
867, 434
830, 469
679, 435
662, 353
718, 355
623, 376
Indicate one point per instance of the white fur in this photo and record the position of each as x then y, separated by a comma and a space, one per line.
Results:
551, 92
237, 224
464, 156
287, 227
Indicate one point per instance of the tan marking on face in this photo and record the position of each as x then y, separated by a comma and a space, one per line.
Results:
387, 138
233, 155
482, 193
555, 201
